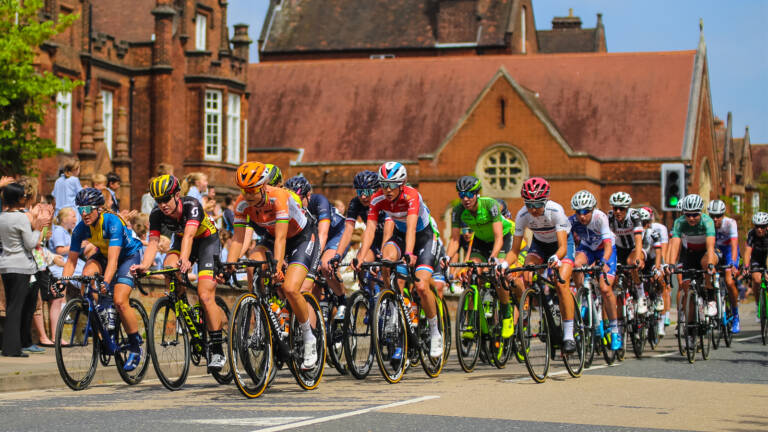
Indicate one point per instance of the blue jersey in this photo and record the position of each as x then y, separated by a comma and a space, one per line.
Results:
321, 209
109, 230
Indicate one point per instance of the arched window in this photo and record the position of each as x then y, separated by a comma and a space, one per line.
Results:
502, 169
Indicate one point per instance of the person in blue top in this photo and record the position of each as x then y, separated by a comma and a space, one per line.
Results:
117, 252
67, 186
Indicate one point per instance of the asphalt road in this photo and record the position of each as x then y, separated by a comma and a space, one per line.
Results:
660, 391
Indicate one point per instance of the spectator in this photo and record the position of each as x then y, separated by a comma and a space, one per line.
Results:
339, 206
147, 202
194, 185
163, 246
228, 215
113, 184
140, 224
20, 234
41, 284
67, 186
99, 181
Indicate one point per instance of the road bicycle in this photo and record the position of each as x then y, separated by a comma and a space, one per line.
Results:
623, 289
589, 305
762, 303
358, 329
84, 336
694, 327
334, 329
724, 318
178, 332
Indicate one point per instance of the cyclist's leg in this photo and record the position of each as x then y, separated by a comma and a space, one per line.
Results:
392, 251
203, 252
122, 286
709, 288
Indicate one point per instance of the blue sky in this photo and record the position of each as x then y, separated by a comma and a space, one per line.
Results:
735, 31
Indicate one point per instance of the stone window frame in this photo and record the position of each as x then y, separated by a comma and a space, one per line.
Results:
234, 129
217, 133
201, 31
491, 190
108, 117
64, 121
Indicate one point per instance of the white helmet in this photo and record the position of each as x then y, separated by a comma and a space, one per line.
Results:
392, 172
679, 206
620, 199
583, 200
760, 218
692, 203
716, 208
644, 214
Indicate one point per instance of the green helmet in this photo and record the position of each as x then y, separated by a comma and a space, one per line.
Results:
274, 176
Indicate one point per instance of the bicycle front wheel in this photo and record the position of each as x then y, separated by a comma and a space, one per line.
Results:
534, 335
77, 348
691, 327
335, 337
638, 332
135, 376
762, 311
308, 379
431, 365
705, 338
390, 342
358, 348
447, 335
727, 323
467, 331
250, 346
168, 342
574, 362
586, 312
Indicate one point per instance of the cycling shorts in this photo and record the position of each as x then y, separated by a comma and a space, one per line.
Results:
691, 260
546, 250
301, 249
483, 250
757, 259
594, 256
425, 248
724, 253
204, 249
123, 273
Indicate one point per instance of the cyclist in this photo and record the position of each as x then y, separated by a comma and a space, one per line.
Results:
330, 229
626, 225
117, 252
274, 175
551, 241
653, 252
285, 228
697, 231
756, 252
195, 239
727, 242
663, 233
413, 238
493, 235
590, 230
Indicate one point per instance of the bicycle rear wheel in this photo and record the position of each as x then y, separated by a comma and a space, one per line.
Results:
335, 337
225, 375
358, 337
308, 379
135, 376
691, 328
726, 330
250, 346
448, 335
390, 341
431, 365
586, 312
763, 314
705, 338
168, 342
574, 362
534, 336
638, 332
77, 348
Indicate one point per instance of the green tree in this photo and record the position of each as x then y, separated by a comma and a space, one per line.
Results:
26, 93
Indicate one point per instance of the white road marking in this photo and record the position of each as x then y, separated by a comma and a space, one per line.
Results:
565, 371
253, 421
746, 338
344, 415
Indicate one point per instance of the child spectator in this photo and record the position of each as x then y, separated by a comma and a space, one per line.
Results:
113, 184
99, 181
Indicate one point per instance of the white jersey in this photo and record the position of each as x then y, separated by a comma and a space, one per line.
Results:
546, 226
592, 235
662, 230
728, 230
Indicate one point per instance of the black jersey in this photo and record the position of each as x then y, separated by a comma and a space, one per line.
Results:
758, 244
357, 210
319, 207
625, 230
192, 213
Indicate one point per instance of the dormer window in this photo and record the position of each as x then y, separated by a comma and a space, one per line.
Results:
201, 24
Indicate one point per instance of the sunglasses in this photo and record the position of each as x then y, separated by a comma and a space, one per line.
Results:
84, 210
250, 191
466, 231
623, 209
584, 211
389, 185
716, 216
692, 215
365, 192
163, 200
467, 194
761, 226
535, 204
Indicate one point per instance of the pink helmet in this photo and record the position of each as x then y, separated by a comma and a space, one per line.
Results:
535, 189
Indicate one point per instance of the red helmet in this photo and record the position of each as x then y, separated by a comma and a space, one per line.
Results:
535, 189
649, 210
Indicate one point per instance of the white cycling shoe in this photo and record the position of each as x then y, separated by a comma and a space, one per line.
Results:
436, 346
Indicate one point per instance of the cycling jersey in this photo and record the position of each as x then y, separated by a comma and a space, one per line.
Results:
593, 235
188, 213
108, 230
322, 210
695, 236
356, 209
544, 227
280, 207
409, 202
663, 232
626, 229
651, 242
759, 247
481, 222
728, 230
504, 210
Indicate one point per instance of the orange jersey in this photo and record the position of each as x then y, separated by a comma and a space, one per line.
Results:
281, 207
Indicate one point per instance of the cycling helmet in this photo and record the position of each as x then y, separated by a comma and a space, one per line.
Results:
583, 200
89, 197
366, 180
535, 189
679, 206
393, 172
620, 199
251, 175
692, 203
760, 218
468, 184
298, 184
716, 208
274, 175
164, 186
644, 214
650, 211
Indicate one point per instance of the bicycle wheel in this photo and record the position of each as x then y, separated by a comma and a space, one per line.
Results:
225, 375
726, 331
431, 365
358, 347
501, 348
250, 346
534, 336
77, 350
717, 329
448, 335
705, 338
653, 331
335, 337
574, 362
308, 379
680, 328
168, 342
467, 331
586, 312
390, 340
638, 332
763, 314
135, 376
691, 328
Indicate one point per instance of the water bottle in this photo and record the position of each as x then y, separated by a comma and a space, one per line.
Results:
487, 304
107, 313
630, 306
324, 308
197, 314
284, 322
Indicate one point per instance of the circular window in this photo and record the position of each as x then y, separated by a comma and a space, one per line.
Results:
502, 169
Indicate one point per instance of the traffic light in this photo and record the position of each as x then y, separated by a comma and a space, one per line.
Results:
672, 185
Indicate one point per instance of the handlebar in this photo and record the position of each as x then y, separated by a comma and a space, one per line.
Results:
535, 268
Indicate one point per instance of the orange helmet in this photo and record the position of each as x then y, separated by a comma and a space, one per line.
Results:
252, 175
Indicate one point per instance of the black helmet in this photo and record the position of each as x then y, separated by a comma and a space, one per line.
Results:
89, 197
468, 184
366, 180
298, 184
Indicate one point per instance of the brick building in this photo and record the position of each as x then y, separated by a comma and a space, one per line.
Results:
163, 83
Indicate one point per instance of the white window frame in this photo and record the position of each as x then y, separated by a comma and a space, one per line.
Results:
212, 125
201, 24
64, 121
233, 128
755, 202
107, 118
737, 204
522, 29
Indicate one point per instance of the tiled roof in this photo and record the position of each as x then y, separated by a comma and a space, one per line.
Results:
130, 21
759, 160
567, 41
630, 105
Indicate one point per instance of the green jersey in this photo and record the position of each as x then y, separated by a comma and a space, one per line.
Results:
694, 237
488, 212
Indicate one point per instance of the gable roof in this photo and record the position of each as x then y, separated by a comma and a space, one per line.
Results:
612, 106
134, 25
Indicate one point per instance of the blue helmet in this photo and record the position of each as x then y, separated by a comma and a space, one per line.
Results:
366, 180
298, 184
89, 197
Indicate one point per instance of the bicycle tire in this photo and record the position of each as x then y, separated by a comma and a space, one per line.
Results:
638, 336
308, 379
467, 331
135, 376
387, 339
705, 339
717, 329
335, 348
680, 327
168, 342
225, 375
653, 331
432, 365
501, 348
691, 337
448, 335
763, 313
250, 346
575, 365
726, 331
358, 337
76, 359
586, 311
534, 327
